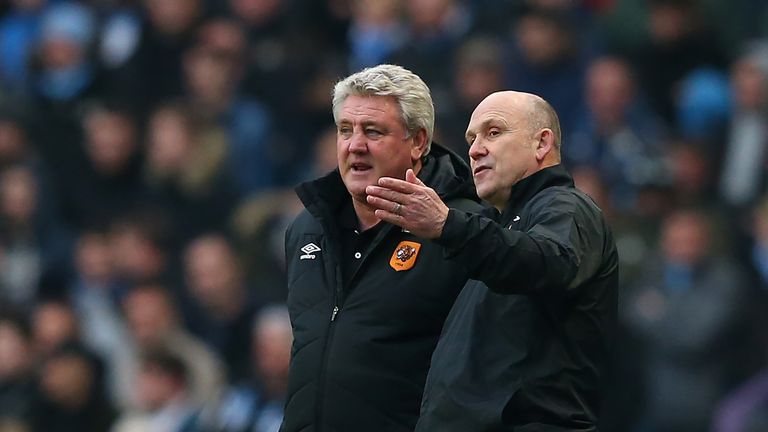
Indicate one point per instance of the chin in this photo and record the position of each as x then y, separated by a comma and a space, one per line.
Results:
481, 192
356, 187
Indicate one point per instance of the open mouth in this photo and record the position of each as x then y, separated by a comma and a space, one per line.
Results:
360, 167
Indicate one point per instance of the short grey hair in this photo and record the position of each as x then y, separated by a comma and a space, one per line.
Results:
410, 92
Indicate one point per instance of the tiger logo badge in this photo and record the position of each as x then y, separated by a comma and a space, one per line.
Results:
405, 255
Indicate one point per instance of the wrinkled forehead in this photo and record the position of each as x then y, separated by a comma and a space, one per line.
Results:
500, 111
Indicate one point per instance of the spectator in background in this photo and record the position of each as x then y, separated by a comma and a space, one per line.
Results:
478, 70
745, 152
678, 42
94, 290
285, 68
324, 153
17, 392
153, 72
165, 404
273, 55
746, 408
703, 106
121, 29
18, 32
153, 323
757, 251
18, 149
65, 72
691, 171
185, 172
213, 70
435, 29
256, 405
222, 305
101, 180
16, 146
140, 245
72, 393
96, 294
546, 58
376, 31
692, 312
64, 77
616, 133
271, 343
54, 325
33, 246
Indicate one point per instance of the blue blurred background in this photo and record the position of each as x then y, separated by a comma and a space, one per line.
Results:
148, 150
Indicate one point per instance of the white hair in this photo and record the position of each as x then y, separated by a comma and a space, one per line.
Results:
410, 92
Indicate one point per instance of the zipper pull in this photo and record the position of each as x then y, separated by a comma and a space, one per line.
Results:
335, 312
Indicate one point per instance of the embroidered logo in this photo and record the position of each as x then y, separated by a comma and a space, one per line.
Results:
405, 255
517, 218
309, 251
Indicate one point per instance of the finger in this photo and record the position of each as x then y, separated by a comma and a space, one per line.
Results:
385, 193
390, 217
410, 177
398, 185
381, 203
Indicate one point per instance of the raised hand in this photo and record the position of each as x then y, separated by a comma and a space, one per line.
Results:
409, 204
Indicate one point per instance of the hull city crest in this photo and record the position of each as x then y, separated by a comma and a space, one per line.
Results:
404, 256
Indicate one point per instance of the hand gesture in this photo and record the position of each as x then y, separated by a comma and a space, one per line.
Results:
409, 204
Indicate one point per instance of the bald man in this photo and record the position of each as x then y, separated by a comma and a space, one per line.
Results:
527, 340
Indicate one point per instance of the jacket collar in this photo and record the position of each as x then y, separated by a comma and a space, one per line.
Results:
527, 188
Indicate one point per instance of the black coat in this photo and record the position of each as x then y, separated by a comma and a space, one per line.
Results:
524, 349
361, 349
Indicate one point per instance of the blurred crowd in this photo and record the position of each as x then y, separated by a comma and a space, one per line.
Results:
148, 150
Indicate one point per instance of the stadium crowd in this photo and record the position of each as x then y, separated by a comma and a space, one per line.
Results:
148, 150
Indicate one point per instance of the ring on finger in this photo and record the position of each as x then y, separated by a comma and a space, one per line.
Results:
396, 209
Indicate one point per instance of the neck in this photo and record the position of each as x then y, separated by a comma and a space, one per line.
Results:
501, 201
365, 214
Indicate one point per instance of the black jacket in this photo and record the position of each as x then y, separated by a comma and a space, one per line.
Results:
361, 350
524, 349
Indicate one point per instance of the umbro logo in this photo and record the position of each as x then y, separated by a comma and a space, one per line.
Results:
516, 219
309, 251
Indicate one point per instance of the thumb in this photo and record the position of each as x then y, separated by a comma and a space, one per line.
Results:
410, 177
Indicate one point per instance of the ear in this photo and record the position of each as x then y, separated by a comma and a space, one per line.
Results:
419, 144
546, 144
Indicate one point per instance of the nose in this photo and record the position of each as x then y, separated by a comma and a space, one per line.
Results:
358, 143
477, 149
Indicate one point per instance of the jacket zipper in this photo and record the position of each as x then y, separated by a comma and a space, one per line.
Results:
320, 399
337, 293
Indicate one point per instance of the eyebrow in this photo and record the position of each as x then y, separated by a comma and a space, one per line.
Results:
364, 123
485, 125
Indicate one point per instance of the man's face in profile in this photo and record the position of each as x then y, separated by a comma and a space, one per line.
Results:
372, 142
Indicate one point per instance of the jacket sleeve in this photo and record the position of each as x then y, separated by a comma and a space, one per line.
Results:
560, 247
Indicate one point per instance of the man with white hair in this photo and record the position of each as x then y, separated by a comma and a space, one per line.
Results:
367, 299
